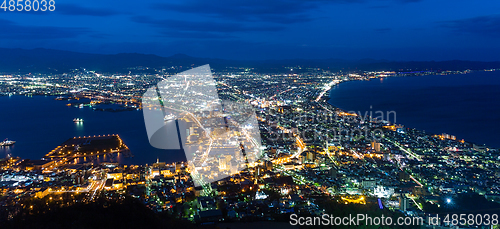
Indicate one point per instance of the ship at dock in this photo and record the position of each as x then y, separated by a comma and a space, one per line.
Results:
7, 142
169, 117
78, 120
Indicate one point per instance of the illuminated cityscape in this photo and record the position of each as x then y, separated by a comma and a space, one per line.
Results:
262, 114
309, 156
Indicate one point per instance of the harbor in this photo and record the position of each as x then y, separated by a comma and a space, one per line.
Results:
91, 145
7, 142
88, 148
35, 138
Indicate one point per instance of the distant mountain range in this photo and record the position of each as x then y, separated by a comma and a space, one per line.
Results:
57, 61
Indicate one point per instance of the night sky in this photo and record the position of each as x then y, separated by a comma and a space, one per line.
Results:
265, 29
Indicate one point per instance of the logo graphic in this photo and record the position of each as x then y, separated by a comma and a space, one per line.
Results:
219, 138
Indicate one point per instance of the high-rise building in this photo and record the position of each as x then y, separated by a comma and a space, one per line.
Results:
225, 163
376, 146
369, 183
332, 172
404, 203
311, 156
268, 165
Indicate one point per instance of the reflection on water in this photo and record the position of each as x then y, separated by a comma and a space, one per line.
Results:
110, 158
467, 106
39, 124
5, 151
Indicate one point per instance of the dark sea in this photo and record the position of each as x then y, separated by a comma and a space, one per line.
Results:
465, 105
39, 124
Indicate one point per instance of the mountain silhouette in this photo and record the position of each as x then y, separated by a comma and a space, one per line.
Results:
58, 61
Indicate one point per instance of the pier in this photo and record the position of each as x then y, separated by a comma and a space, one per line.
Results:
89, 146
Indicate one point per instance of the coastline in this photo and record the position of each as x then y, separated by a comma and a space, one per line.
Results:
326, 98
52, 124
128, 135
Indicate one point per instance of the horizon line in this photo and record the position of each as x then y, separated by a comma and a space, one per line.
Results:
373, 60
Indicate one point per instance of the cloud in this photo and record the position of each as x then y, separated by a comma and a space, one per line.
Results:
484, 25
76, 10
203, 26
382, 30
228, 16
271, 11
21, 32
194, 35
408, 1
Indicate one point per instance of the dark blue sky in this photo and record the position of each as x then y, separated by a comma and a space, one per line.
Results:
265, 29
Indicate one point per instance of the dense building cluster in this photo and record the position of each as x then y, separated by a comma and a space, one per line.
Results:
311, 151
